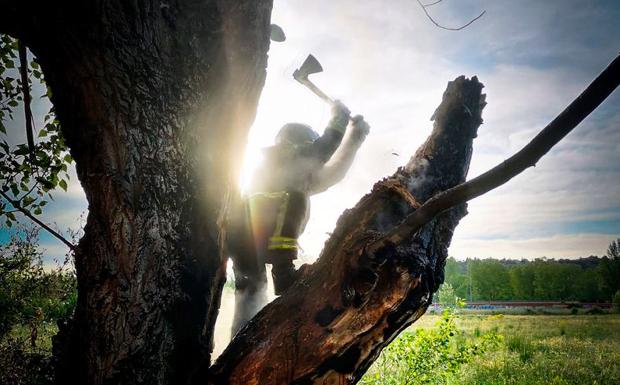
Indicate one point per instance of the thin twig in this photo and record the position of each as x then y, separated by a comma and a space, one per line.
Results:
23, 64
424, 6
431, 4
527, 157
16, 205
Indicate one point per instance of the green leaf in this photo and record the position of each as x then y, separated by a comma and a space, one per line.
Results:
27, 201
14, 189
42, 133
63, 184
68, 158
22, 149
37, 211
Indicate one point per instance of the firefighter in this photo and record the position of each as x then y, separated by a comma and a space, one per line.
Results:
271, 217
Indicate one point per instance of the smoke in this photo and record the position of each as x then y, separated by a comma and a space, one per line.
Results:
252, 305
419, 169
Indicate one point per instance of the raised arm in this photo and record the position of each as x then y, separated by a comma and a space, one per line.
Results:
339, 164
324, 147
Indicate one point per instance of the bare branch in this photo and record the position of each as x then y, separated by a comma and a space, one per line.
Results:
25, 83
527, 157
425, 6
431, 4
17, 206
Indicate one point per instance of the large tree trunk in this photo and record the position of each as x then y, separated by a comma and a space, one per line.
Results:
155, 100
331, 325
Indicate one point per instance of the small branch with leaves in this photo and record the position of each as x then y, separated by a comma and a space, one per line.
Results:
30, 171
36, 220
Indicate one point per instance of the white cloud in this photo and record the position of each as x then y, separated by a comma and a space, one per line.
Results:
557, 246
393, 67
387, 61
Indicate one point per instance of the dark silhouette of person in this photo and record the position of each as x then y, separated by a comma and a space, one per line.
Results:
267, 222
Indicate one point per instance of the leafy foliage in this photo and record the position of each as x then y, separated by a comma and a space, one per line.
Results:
616, 301
589, 279
27, 176
428, 356
30, 295
448, 297
529, 350
610, 269
32, 300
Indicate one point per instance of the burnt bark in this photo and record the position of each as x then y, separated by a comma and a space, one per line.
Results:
331, 325
380, 268
592, 97
155, 99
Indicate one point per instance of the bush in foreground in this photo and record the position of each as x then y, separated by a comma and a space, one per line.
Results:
428, 356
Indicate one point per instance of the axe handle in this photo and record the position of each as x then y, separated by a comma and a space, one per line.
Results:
317, 91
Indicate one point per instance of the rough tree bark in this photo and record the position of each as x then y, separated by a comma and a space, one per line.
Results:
330, 326
155, 100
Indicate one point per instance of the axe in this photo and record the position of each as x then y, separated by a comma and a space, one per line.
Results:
311, 66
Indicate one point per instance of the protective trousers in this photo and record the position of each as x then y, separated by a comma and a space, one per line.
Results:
277, 221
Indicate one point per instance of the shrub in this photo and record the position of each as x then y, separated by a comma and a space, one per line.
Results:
30, 295
595, 310
616, 301
32, 300
19, 365
428, 356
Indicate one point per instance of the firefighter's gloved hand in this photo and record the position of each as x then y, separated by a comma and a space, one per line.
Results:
360, 128
340, 116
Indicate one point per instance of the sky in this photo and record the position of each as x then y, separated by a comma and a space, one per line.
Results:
388, 62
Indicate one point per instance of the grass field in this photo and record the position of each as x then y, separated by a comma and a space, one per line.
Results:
471, 349
529, 349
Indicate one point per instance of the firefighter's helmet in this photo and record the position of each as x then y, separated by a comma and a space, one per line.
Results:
296, 134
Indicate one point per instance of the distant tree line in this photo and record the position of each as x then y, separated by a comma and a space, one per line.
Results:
591, 279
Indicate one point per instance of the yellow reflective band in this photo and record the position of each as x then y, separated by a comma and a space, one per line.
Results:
270, 195
282, 243
282, 247
282, 239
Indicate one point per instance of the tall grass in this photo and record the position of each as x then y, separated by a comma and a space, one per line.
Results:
534, 350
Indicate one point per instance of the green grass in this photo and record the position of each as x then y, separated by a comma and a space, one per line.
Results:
530, 350
534, 349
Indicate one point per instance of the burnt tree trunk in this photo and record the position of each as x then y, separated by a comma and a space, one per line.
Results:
155, 99
332, 324
379, 270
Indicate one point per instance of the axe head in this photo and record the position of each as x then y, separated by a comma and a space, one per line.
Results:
309, 66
